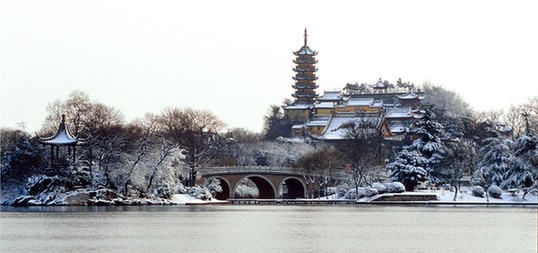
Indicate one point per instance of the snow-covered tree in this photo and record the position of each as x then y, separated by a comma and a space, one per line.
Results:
362, 149
196, 133
319, 166
425, 154
409, 167
460, 156
428, 133
275, 124
213, 185
246, 189
270, 153
494, 160
523, 164
21, 157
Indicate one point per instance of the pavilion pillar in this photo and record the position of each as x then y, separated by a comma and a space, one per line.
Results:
51, 155
74, 151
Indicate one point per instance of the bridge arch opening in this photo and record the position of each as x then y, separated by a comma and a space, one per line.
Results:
265, 188
292, 188
224, 194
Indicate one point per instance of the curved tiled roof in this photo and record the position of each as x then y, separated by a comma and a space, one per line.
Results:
62, 136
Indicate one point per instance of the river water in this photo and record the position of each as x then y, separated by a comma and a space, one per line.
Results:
250, 228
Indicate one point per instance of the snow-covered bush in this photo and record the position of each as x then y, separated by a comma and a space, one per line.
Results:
495, 191
164, 190
363, 192
245, 191
213, 185
478, 191
199, 193
379, 187
395, 187
369, 192
352, 194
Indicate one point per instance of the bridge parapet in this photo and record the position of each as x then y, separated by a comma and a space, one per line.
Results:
249, 170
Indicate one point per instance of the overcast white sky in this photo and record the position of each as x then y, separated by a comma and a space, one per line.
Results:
234, 58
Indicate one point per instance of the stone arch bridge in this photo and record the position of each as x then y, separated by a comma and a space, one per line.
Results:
272, 182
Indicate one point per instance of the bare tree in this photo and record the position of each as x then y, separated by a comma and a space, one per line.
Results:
195, 132
100, 127
77, 107
319, 166
166, 148
515, 116
232, 146
141, 133
362, 148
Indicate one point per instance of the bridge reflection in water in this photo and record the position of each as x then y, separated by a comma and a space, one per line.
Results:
272, 182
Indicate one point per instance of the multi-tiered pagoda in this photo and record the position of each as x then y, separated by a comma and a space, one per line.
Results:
305, 74
305, 85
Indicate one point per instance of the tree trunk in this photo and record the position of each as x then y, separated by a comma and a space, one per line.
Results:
455, 191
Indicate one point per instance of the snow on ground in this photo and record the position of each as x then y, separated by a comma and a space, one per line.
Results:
185, 199
466, 196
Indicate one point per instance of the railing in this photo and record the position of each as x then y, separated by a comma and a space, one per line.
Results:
248, 169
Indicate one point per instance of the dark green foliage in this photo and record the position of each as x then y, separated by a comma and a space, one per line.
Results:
22, 158
276, 125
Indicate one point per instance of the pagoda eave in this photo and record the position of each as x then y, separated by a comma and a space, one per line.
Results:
304, 86
305, 61
310, 78
305, 69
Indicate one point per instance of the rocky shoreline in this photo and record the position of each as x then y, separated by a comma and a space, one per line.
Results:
100, 197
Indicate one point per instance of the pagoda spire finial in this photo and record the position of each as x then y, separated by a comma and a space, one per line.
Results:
305, 36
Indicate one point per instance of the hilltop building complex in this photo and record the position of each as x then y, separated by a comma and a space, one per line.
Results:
382, 106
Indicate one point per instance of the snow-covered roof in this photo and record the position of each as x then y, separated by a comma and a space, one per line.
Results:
377, 103
62, 136
319, 120
336, 129
398, 128
410, 95
360, 102
331, 95
379, 85
312, 123
398, 113
324, 105
305, 50
301, 106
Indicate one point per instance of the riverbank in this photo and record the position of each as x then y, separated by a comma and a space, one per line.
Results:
109, 198
424, 197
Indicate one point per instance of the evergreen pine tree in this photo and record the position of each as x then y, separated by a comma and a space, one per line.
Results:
409, 167
426, 152
494, 158
423, 158
523, 164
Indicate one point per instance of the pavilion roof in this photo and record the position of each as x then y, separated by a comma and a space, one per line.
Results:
410, 95
62, 136
379, 85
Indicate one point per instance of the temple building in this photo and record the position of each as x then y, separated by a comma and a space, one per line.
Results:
62, 138
383, 106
